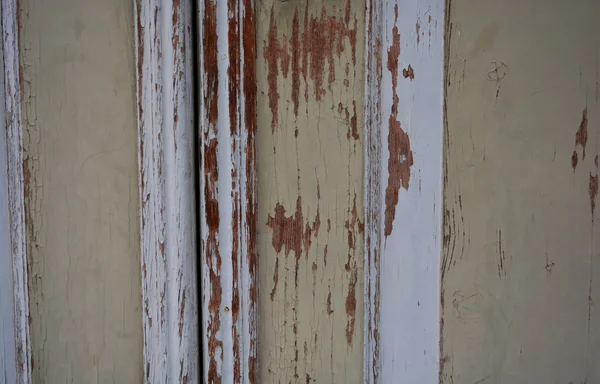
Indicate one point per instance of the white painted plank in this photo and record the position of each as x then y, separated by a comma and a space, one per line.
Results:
16, 189
166, 135
403, 190
8, 362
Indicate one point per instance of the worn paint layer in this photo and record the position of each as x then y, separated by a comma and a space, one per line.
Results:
310, 76
407, 156
16, 259
520, 273
8, 331
227, 54
77, 82
165, 118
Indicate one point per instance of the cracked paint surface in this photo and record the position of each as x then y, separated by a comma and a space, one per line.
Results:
310, 150
521, 239
81, 191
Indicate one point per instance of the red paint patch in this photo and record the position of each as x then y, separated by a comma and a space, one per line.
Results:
312, 52
581, 137
288, 232
408, 73
351, 307
593, 192
401, 158
271, 55
295, 61
275, 278
354, 122
285, 57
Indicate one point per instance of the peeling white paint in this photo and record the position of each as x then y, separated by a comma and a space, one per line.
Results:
8, 362
168, 246
227, 191
14, 157
402, 325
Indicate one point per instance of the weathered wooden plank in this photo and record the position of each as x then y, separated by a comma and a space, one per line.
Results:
310, 78
14, 330
374, 19
520, 263
403, 187
16, 188
8, 362
227, 191
164, 51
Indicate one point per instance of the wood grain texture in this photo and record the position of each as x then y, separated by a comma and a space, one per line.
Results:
16, 198
373, 198
403, 183
166, 190
77, 93
310, 76
520, 262
228, 258
13, 294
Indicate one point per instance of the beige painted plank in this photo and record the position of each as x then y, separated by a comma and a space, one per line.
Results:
520, 267
77, 67
310, 190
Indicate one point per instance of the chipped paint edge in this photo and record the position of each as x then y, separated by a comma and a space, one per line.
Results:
16, 189
402, 269
165, 119
229, 261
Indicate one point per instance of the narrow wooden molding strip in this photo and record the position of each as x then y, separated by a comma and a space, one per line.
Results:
17, 187
403, 187
165, 116
227, 190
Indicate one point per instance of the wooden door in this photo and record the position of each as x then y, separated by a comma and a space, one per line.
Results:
299, 191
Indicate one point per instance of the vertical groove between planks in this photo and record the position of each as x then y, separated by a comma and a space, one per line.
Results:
166, 190
227, 190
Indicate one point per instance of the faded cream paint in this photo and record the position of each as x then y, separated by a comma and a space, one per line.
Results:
78, 114
310, 73
520, 264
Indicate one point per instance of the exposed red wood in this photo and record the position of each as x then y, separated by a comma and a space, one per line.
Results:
593, 192
581, 137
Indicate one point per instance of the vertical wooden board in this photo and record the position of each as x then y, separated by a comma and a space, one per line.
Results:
165, 116
79, 141
410, 180
310, 74
227, 56
520, 263
16, 207
8, 362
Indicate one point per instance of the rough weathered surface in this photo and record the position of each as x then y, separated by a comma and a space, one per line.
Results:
165, 114
8, 355
77, 95
227, 99
520, 263
15, 263
374, 19
310, 76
